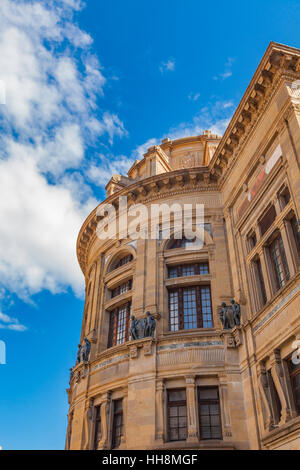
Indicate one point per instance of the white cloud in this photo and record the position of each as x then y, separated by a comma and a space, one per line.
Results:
215, 116
194, 96
9, 323
168, 66
140, 151
102, 170
227, 70
53, 83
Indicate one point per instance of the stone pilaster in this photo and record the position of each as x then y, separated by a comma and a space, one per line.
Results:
265, 397
225, 410
191, 404
105, 412
277, 372
160, 406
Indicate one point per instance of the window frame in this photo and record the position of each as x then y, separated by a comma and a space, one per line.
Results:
276, 245
196, 266
114, 325
117, 290
215, 401
173, 404
180, 307
292, 375
97, 427
116, 438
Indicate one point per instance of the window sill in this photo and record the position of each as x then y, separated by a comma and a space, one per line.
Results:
281, 432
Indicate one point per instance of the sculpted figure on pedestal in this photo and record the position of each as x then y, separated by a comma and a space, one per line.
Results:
133, 330
150, 325
142, 327
230, 315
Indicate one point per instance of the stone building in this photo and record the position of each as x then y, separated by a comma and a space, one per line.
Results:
200, 381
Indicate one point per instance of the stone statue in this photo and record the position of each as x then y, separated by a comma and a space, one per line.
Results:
142, 327
230, 315
236, 312
78, 354
71, 375
85, 351
150, 325
132, 330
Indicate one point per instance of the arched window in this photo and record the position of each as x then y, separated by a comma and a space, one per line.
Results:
125, 259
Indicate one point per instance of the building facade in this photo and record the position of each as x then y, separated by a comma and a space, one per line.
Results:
195, 381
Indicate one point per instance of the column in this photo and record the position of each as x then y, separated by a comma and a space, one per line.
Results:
266, 273
160, 410
287, 248
88, 424
192, 408
124, 405
279, 381
265, 397
226, 422
105, 412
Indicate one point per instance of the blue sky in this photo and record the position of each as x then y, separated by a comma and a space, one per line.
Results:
88, 89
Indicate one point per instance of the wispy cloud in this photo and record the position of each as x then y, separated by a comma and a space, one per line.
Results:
168, 66
9, 323
215, 116
227, 73
194, 96
102, 169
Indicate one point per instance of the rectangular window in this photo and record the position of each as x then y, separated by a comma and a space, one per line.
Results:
260, 281
209, 413
279, 262
97, 431
190, 308
295, 227
252, 240
117, 430
295, 382
174, 310
119, 325
285, 197
177, 415
267, 220
275, 401
188, 270
125, 260
125, 287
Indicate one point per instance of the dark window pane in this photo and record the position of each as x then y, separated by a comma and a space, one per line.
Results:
177, 417
203, 268
209, 413
295, 382
117, 430
125, 260
295, 227
280, 266
176, 395
267, 220
119, 325
260, 281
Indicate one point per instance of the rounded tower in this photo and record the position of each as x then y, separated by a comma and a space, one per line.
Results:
156, 367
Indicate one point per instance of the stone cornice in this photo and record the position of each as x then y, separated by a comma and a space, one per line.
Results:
156, 187
278, 60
